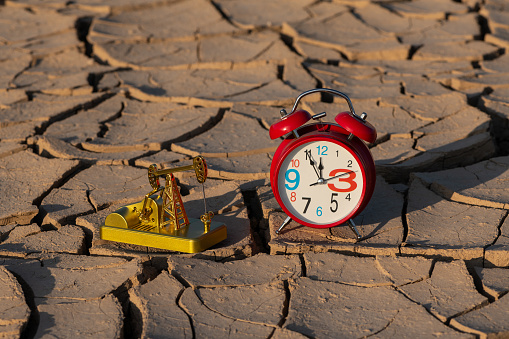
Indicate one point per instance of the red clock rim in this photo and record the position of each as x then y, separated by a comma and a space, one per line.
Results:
316, 137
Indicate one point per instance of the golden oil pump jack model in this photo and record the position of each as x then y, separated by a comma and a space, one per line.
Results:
160, 219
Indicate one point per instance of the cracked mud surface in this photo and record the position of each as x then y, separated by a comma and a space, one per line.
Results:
93, 93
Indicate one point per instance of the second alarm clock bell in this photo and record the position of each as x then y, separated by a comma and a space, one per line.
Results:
322, 174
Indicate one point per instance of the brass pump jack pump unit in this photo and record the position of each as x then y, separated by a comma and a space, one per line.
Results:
160, 220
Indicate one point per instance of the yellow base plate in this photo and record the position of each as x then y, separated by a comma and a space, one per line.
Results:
189, 239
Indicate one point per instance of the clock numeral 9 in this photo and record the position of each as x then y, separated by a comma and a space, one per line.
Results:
295, 181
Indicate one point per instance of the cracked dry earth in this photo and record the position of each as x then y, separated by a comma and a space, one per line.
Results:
93, 92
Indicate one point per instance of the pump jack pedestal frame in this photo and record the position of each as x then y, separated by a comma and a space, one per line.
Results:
192, 238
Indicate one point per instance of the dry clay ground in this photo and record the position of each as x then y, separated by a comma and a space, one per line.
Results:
93, 92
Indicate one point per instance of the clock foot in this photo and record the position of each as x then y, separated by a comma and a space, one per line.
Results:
287, 220
354, 229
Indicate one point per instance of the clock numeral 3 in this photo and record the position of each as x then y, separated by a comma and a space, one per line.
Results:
347, 179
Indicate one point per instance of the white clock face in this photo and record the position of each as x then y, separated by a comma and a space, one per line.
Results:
320, 182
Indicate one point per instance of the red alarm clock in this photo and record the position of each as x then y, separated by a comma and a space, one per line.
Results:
322, 174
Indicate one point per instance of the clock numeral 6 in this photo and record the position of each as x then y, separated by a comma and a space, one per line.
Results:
295, 180
319, 211
347, 179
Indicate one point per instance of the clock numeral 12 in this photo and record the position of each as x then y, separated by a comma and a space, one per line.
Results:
323, 149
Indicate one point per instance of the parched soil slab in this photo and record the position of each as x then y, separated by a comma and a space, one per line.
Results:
405, 270
259, 269
63, 73
12, 62
387, 21
235, 135
434, 9
475, 84
87, 124
445, 228
61, 149
482, 184
262, 304
27, 177
44, 108
94, 188
449, 292
494, 281
356, 82
358, 271
379, 224
189, 19
323, 309
152, 126
490, 321
456, 28
496, 105
61, 278
22, 25
210, 87
9, 148
470, 51
266, 115
67, 239
155, 310
463, 152
393, 152
75, 318
11, 96
210, 324
14, 312
497, 255
428, 108
248, 15
366, 271
207, 52
328, 30
442, 135
249, 167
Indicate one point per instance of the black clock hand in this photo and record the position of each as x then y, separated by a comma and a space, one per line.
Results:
312, 162
334, 177
320, 167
